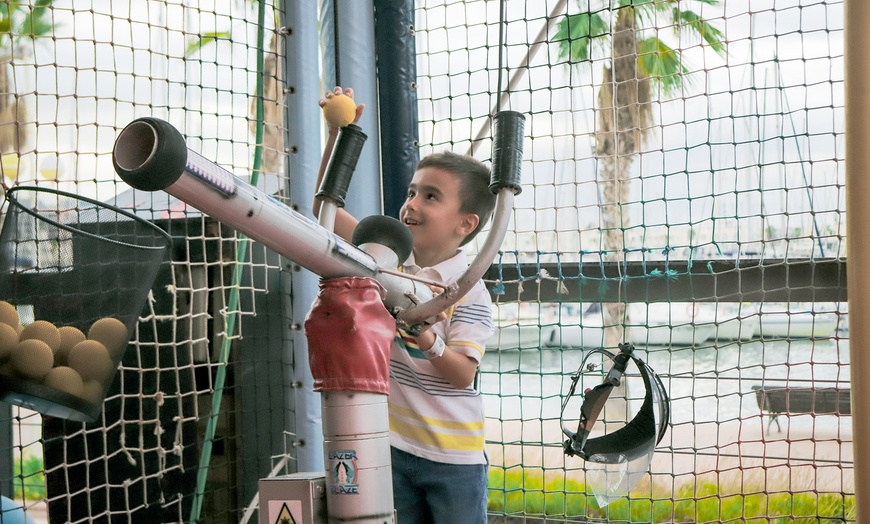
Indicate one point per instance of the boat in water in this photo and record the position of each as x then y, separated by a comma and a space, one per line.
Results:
643, 329
518, 326
515, 335
665, 335
730, 320
666, 324
533, 326
796, 320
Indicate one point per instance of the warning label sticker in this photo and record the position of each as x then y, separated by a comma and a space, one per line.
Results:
285, 511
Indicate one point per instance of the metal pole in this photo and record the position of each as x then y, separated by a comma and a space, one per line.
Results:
504, 97
857, 112
356, 67
303, 144
357, 433
397, 68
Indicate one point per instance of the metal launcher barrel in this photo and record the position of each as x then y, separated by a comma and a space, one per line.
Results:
151, 155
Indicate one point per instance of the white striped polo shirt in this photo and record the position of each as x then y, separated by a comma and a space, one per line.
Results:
430, 418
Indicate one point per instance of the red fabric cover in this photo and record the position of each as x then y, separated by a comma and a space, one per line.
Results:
350, 333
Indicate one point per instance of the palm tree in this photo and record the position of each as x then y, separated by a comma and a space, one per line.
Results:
20, 24
272, 109
638, 66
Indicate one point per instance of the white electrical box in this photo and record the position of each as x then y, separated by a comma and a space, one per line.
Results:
298, 498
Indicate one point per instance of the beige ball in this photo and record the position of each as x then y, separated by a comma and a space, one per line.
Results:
339, 110
8, 314
92, 360
8, 341
69, 337
66, 379
93, 391
44, 331
32, 359
112, 333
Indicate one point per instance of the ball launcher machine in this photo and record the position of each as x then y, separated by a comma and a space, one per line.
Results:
151, 155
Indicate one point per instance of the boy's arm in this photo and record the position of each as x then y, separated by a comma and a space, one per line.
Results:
345, 223
456, 367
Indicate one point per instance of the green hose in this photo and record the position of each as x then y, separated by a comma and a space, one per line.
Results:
232, 307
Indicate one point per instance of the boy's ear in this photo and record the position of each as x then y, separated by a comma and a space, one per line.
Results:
468, 224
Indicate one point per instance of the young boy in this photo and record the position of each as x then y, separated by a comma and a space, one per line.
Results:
436, 416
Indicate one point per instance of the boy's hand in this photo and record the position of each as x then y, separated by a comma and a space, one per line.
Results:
426, 337
333, 128
344, 222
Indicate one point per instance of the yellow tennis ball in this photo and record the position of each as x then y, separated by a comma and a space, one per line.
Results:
91, 359
44, 331
112, 333
92, 391
32, 359
339, 110
8, 314
69, 337
8, 341
66, 379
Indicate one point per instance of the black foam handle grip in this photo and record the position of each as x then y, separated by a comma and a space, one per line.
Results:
507, 152
342, 164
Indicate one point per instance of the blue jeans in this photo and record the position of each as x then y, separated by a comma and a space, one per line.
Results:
427, 492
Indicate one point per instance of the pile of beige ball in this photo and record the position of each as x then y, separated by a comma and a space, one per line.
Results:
62, 358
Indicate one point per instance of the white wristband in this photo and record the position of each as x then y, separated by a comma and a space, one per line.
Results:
436, 350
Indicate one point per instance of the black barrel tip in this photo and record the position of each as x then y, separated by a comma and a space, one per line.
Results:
149, 154
387, 231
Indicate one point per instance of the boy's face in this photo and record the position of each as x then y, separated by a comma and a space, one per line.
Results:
432, 212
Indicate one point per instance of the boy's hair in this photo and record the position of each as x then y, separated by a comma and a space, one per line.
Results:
474, 178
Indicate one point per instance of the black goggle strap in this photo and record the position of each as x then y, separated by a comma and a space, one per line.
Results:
593, 399
664, 403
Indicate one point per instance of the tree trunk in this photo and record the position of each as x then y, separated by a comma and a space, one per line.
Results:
13, 112
617, 142
273, 112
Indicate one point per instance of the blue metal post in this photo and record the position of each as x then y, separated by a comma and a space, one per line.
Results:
348, 47
304, 147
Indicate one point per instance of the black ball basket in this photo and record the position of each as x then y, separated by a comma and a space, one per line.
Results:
84, 268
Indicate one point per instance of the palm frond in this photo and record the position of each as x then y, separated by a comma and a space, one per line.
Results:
621, 4
707, 31
662, 64
22, 20
5, 18
576, 35
37, 21
196, 44
645, 10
